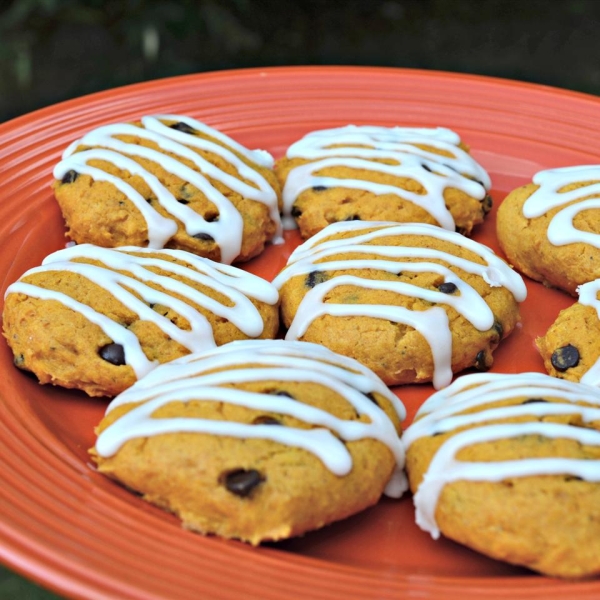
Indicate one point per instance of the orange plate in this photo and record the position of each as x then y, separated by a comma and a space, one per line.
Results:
69, 528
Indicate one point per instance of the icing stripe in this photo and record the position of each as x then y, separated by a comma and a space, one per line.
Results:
113, 277
432, 324
442, 413
362, 147
495, 271
561, 230
187, 379
276, 353
261, 157
227, 230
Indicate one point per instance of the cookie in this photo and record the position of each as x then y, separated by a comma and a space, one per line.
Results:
571, 346
550, 229
368, 173
169, 181
97, 319
257, 440
509, 465
413, 302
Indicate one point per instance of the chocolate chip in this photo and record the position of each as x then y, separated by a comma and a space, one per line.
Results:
241, 482
426, 168
499, 328
70, 176
184, 127
486, 204
296, 212
533, 401
447, 287
314, 278
319, 188
183, 201
205, 237
212, 217
281, 393
480, 361
461, 230
353, 218
113, 353
266, 420
564, 358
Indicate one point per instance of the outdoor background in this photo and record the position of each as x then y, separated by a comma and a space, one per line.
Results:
53, 50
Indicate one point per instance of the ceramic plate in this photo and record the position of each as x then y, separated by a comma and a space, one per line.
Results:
67, 527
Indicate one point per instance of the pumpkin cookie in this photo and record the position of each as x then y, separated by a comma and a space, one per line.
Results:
372, 173
550, 229
169, 181
97, 319
256, 440
571, 346
413, 302
509, 465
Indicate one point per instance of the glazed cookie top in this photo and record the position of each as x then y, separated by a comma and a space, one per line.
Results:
432, 157
213, 377
489, 407
551, 195
386, 249
173, 147
549, 228
141, 278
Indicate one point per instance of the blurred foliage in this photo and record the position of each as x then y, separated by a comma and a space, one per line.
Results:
13, 587
51, 50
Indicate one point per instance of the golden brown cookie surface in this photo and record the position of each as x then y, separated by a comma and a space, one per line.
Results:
413, 302
257, 440
97, 319
509, 465
382, 174
168, 181
550, 229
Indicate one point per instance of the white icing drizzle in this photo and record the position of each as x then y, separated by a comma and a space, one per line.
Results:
440, 414
123, 271
432, 324
547, 197
188, 379
458, 171
227, 230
